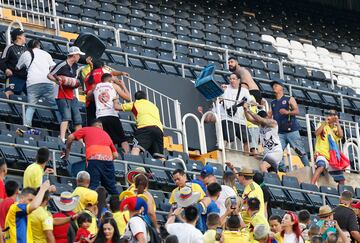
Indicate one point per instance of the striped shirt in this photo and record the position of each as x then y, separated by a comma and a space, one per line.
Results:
19, 224
64, 69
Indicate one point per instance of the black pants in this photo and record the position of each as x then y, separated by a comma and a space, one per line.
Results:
151, 139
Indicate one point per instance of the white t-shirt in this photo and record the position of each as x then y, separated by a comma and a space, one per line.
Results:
104, 95
39, 68
135, 226
186, 233
229, 97
270, 140
226, 192
291, 238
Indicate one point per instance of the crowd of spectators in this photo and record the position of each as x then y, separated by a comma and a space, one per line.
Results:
202, 209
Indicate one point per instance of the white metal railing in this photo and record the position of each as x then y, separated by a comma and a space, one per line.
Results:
56, 25
53, 21
351, 138
169, 108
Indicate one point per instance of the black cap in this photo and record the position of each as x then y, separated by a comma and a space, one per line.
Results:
278, 81
15, 33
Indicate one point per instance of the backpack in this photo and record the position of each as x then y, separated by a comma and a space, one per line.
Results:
154, 236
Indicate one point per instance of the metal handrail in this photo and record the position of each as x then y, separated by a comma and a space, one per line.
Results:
172, 40
54, 151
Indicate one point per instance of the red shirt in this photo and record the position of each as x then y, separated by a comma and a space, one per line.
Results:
4, 208
65, 93
98, 143
60, 231
81, 233
2, 189
97, 74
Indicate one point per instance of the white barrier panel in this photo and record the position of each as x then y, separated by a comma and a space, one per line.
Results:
40, 12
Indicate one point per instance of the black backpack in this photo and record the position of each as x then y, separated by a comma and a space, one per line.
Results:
153, 234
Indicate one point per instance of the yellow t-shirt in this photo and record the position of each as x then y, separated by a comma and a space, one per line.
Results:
209, 236
93, 229
322, 143
253, 190
145, 112
256, 219
19, 224
80, 191
235, 236
41, 220
194, 187
33, 176
121, 219
253, 108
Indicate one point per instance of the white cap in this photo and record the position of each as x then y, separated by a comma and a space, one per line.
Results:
75, 50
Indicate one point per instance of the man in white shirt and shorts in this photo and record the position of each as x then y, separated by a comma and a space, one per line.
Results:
269, 138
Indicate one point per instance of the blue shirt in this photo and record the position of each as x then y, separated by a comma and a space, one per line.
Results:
320, 223
201, 223
284, 121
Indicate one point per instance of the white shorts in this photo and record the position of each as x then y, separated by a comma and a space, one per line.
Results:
273, 158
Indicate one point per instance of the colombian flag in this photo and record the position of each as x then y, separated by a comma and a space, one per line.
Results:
337, 159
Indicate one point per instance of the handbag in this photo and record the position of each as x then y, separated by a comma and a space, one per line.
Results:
231, 111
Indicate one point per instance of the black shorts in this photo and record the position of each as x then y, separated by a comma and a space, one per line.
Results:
257, 94
113, 127
150, 139
230, 126
90, 113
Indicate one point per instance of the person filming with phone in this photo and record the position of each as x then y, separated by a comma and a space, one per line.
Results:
328, 225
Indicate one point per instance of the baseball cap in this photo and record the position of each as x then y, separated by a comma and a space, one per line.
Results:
89, 198
206, 171
15, 33
278, 81
75, 50
134, 203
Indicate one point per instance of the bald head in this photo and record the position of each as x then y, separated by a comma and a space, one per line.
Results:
83, 179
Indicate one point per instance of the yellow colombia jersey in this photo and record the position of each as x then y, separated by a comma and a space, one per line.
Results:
194, 187
80, 191
41, 220
145, 112
236, 236
121, 219
253, 190
33, 176
322, 143
19, 224
256, 219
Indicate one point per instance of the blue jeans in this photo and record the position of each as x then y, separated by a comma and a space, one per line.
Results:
254, 133
69, 110
294, 139
35, 93
102, 171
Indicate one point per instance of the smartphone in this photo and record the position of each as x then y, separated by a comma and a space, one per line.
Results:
45, 177
174, 206
330, 224
233, 203
219, 231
